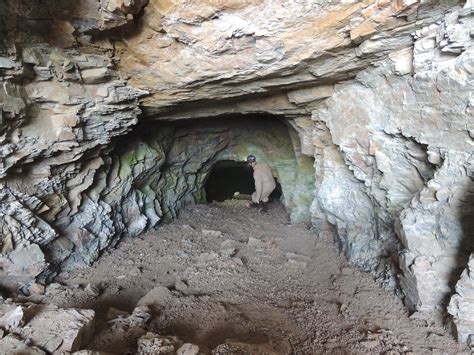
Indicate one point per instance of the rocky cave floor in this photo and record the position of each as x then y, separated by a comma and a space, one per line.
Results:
222, 272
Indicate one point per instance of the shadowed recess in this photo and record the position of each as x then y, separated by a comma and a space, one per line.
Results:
229, 177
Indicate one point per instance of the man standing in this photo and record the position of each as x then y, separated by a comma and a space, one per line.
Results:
264, 183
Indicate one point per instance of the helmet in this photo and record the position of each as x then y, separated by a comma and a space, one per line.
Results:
251, 159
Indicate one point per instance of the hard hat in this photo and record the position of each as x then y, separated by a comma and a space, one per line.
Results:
251, 158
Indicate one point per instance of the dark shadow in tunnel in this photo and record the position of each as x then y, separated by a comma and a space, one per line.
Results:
228, 177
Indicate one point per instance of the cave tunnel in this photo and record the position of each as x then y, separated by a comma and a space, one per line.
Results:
228, 177
204, 161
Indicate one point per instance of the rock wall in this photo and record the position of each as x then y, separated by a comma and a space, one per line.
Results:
460, 305
396, 148
379, 94
61, 105
405, 145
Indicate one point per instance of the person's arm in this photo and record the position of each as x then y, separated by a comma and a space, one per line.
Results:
258, 185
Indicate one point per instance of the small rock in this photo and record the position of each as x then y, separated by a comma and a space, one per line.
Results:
228, 252
32, 289
212, 233
11, 344
59, 330
158, 296
470, 341
141, 314
92, 290
13, 318
237, 347
299, 263
369, 344
182, 254
135, 271
342, 308
36, 289
54, 288
188, 349
181, 286
151, 343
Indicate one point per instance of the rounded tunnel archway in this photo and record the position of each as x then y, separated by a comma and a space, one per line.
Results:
228, 177
176, 160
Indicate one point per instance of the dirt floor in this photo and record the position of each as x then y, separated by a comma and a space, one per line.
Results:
227, 272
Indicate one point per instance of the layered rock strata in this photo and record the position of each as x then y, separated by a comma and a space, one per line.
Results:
379, 93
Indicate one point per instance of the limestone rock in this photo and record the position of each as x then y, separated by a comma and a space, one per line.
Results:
46, 327
11, 317
12, 344
188, 349
395, 169
55, 329
23, 264
158, 296
19, 222
304, 96
461, 305
151, 343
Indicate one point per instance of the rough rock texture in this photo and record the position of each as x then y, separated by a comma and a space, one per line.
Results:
379, 93
60, 110
410, 163
221, 49
40, 329
460, 306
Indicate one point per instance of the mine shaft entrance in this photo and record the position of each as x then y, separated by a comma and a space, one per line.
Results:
228, 177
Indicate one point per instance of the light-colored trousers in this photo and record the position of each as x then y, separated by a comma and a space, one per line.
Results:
266, 191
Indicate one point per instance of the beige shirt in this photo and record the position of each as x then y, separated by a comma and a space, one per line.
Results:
264, 181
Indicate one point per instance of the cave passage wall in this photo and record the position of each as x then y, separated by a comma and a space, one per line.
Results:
192, 148
146, 177
105, 128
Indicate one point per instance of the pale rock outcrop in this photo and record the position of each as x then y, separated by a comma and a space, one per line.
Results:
414, 162
155, 344
33, 327
235, 48
12, 344
460, 305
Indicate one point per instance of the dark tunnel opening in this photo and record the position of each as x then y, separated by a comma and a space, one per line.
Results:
228, 177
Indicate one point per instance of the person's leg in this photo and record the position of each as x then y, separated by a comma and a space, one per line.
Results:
267, 190
254, 202
254, 197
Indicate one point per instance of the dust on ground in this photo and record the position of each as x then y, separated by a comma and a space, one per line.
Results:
234, 273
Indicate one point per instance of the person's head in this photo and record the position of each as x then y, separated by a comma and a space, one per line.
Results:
251, 160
